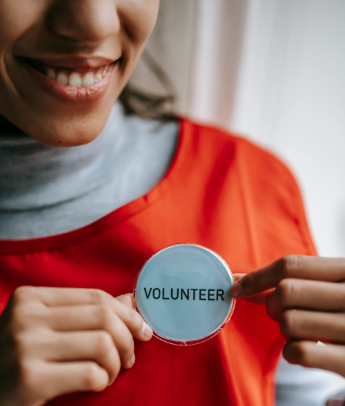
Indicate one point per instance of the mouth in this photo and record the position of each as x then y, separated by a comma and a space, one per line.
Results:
68, 76
71, 80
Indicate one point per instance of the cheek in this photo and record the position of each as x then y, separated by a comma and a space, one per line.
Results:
138, 18
16, 19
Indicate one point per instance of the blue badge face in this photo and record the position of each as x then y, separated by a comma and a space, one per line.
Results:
182, 292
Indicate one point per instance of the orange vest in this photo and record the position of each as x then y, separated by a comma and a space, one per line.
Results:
221, 192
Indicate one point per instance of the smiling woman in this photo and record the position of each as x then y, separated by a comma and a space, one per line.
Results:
66, 63
77, 224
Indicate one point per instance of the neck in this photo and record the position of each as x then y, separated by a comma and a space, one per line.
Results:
34, 175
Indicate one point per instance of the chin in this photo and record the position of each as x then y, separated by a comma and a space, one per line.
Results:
69, 136
68, 130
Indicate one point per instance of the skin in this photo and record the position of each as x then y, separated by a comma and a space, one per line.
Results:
56, 340
57, 28
306, 296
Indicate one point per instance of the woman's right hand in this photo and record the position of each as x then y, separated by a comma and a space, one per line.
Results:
55, 341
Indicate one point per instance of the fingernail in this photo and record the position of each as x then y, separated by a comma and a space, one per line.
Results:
321, 344
132, 360
236, 290
146, 330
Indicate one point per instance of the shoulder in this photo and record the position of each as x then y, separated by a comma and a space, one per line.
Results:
250, 158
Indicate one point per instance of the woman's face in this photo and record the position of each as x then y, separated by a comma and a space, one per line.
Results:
63, 63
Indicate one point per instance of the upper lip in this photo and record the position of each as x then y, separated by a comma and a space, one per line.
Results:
76, 62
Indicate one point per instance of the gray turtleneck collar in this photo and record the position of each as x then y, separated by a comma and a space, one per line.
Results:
47, 190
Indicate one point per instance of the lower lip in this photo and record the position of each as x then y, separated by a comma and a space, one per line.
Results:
72, 94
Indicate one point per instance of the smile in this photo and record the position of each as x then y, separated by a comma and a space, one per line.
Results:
70, 77
72, 80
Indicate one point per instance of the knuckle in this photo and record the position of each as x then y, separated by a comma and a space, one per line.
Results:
23, 316
23, 293
104, 343
289, 264
98, 296
106, 316
18, 315
288, 322
92, 379
287, 289
22, 345
30, 375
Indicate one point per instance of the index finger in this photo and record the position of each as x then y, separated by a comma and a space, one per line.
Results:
133, 320
59, 297
291, 266
259, 298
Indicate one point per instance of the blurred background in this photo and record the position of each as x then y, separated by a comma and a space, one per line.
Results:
273, 71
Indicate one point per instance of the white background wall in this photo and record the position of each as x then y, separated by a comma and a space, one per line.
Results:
274, 71
291, 98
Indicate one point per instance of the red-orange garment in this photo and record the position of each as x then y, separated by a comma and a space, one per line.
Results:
221, 192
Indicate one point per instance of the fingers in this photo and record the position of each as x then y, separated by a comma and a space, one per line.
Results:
309, 325
257, 281
300, 286
260, 298
56, 297
114, 318
304, 294
97, 346
80, 338
79, 318
135, 323
291, 266
66, 377
82, 310
102, 318
61, 296
98, 317
307, 354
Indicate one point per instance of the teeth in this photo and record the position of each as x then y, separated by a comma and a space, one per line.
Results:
74, 80
98, 77
51, 73
62, 78
88, 80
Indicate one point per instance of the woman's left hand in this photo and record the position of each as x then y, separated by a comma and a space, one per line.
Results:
306, 295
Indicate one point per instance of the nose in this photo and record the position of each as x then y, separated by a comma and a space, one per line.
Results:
84, 20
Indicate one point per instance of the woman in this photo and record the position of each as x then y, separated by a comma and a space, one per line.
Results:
78, 223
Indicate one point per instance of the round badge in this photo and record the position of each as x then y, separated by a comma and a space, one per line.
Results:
182, 292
